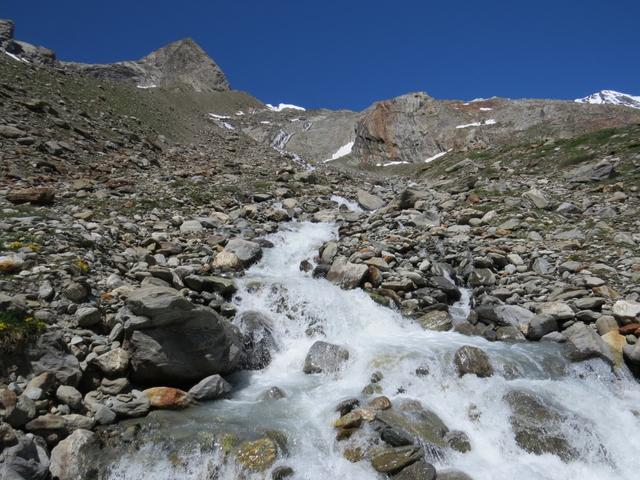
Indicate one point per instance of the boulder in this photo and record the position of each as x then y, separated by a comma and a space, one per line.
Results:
346, 274
182, 343
238, 253
419, 470
114, 362
200, 283
558, 310
34, 195
393, 460
167, 398
325, 357
68, 458
257, 455
69, 396
438, 320
258, 339
128, 405
592, 172
583, 342
26, 459
210, 388
536, 199
540, 325
626, 309
472, 360
369, 201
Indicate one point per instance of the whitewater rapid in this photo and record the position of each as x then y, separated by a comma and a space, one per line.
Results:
380, 339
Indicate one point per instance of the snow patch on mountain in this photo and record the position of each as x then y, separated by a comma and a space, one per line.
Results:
490, 121
284, 106
341, 152
611, 97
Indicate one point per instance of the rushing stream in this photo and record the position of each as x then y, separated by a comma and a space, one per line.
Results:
380, 339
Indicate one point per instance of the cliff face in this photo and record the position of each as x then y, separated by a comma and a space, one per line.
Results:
414, 128
180, 64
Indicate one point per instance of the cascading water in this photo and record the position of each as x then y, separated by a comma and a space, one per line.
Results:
380, 339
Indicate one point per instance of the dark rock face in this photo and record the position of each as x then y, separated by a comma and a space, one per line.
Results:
23, 50
180, 64
415, 127
181, 342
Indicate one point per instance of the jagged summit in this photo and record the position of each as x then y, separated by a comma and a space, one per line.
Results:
611, 97
181, 63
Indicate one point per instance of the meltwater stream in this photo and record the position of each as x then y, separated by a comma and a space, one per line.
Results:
380, 339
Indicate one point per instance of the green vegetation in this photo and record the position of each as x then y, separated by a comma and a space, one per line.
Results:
16, 330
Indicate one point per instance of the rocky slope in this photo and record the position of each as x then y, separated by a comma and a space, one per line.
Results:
125, 240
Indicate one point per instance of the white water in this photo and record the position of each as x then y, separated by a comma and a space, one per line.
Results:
380, 339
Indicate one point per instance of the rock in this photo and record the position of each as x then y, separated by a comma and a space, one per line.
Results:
18, 410
452, 475
69, 457
210, 388
181, 342
167, 397
10, 263
505, 315
536, 198
419, 470
368, 201
626, 309
26, 460
258, 339
346, 274
7, 131
605, 324
352, 419
539, 427
616, 343
438, 320
8, 436
73, 421
458, 441
592, 172
472, 360
128, 405
238, 253
76, 291
113, 363
199, 283
481, 276
393, 460
557, 310
7, 29
540, 325
191, 226
47, 425
325, 357
583, 342
280, 473
87, 316
274, 393
257, 455
69, 396
410, 423
35, 195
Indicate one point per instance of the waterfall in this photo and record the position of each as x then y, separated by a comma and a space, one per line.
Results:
302, 310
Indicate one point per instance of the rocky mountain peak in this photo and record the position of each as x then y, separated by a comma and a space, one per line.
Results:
180, 64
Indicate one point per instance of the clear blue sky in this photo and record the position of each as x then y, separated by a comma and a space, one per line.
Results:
347, 54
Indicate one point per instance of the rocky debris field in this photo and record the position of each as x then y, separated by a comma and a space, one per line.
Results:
122, 238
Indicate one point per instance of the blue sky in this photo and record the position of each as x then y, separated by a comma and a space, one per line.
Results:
348, 54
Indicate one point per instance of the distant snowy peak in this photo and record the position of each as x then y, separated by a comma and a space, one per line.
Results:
284, 106
611, 97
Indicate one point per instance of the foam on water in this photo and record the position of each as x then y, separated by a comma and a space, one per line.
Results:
380, 339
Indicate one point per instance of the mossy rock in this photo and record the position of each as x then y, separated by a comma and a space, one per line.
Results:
257, 455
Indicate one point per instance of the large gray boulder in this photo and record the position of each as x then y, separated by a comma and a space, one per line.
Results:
591, 172
583, 342
369, 201
210, 388
68, 460
325, 357
346, 274
51, 354
181, 343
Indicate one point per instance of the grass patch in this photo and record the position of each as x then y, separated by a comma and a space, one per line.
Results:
17, 329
